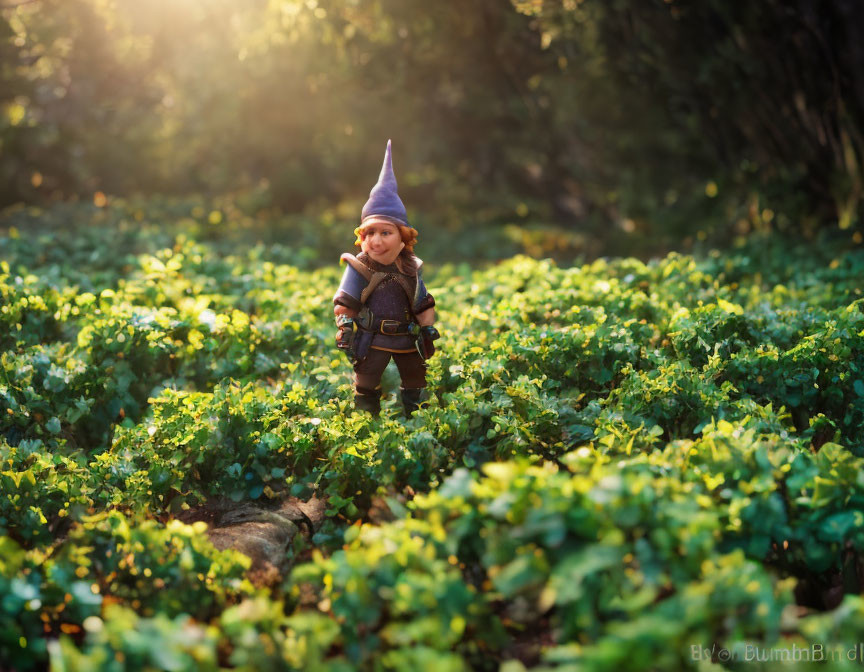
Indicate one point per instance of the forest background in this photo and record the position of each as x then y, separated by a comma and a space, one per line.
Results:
580, 127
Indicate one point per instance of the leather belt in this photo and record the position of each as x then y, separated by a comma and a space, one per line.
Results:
392, 327
395, 327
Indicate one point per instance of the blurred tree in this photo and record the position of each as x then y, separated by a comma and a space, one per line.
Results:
770, 88
581, 112
85, 102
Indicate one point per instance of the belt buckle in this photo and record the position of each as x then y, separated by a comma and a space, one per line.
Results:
395, 324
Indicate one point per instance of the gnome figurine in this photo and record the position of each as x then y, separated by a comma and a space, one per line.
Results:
382, 307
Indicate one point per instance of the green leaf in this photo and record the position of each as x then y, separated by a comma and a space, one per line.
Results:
518, 575
839, 526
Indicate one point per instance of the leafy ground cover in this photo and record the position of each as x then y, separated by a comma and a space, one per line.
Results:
621, 460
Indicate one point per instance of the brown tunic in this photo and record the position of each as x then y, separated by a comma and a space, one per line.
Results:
390, 300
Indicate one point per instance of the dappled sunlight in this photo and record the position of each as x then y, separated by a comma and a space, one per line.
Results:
622, 424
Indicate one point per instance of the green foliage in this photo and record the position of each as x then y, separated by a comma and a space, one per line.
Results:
163, 571
159, 642
392, 595
40, 489
618, 459
606, 553
159, 568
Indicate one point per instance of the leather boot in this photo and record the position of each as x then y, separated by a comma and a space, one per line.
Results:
368, 400
412, 398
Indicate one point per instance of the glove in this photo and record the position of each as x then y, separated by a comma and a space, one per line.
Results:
345, 336
425, 338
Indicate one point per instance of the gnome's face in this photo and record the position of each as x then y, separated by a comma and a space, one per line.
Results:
381, 240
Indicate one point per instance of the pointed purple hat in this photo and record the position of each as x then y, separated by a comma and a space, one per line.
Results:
384, 200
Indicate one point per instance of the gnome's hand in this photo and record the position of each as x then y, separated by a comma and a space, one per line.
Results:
345, 336
425, 345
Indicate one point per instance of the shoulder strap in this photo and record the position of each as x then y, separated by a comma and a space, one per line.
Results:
357, 265
418, 285
409, 285
411, 280
376, 279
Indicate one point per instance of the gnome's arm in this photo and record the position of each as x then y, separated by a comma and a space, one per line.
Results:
344, 310
424, 301
426, 318
347, 301
425, 314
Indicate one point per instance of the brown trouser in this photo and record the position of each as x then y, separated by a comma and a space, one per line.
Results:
412, 369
